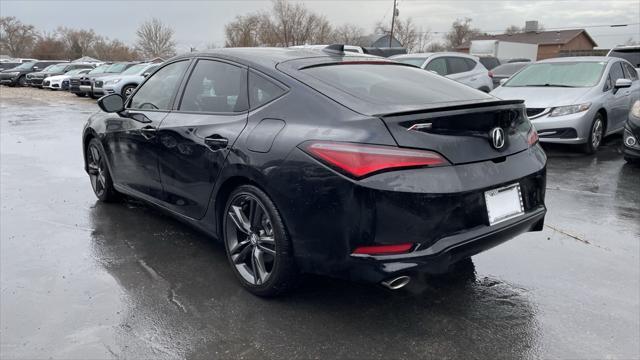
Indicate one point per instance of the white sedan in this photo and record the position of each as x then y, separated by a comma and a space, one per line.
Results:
61, 82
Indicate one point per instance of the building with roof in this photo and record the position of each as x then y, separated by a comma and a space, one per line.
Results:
550, 43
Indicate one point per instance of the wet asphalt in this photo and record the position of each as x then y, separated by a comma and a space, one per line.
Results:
85, 280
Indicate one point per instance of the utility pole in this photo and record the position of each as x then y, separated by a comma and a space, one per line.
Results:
393, 19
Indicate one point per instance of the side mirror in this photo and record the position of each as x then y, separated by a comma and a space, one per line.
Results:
146, 74
111, 103
622, 83
503, 81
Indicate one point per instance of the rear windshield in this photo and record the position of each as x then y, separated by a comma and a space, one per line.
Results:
393, 84
489, 62
631, 55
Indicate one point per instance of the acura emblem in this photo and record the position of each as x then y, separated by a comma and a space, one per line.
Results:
497, 138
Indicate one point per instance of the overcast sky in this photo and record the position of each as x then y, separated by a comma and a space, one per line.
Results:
200, 23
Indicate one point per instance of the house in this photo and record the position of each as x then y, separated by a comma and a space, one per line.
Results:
550, 43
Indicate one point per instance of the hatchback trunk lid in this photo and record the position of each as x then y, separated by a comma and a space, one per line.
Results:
464, 133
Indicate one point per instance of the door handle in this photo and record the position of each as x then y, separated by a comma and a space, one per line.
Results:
148, 132
216, 142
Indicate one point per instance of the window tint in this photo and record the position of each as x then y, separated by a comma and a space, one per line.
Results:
470, 64
157, 92
457, 65
438, 65
261, 90
632, 55
616, 72
217, 87
489, 62
630, 72
393, 84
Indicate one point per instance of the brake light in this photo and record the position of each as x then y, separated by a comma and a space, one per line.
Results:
383, 249
532, 136
360, 160
490, 74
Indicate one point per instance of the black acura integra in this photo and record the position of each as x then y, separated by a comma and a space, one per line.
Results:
323, 162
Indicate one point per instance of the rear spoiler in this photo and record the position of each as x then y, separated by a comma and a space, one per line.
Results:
474, 104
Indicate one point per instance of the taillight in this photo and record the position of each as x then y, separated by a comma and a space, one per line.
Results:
532, 136
383, 249
490, 74
360, 160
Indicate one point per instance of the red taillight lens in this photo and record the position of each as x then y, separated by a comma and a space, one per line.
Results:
359, 160
490, 74
532, 137
383, 249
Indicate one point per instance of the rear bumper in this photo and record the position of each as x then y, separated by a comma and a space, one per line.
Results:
439, 257
441, 211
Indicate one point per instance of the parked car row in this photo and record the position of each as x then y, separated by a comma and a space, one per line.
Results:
82, 79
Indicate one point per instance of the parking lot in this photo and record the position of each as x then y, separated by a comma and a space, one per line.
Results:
82, 279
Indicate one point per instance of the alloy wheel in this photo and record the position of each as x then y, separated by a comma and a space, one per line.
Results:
596, 133
128, 91
96, 170
250, 239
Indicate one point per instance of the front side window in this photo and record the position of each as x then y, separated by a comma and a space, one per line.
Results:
559, 74
630, 72
616, 73
438, 65
216, 87
157, 92
261, 90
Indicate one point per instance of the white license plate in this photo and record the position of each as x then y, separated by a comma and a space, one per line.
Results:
504, 203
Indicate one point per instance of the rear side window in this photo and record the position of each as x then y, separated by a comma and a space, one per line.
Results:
216, 87
489, 62
393, 84
262, 91
157, 92
438, 65
457, 65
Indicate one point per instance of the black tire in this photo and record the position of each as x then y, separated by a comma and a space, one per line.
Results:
94, 96
128, 90
594, 140
80, 94
631, 160
99, 174
22, 81
284, 274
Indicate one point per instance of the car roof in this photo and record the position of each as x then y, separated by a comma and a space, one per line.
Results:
269, 57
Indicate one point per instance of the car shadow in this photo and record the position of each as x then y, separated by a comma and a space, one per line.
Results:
181, 299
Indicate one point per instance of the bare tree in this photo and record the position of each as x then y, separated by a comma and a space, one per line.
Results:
461, 32
435, 46
513, 29
410, 36
348, 34
155, 39
286, 24
114, 50
49, 46
79, 42
16, 39
243, 31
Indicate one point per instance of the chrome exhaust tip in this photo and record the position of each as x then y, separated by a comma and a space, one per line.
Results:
396, 283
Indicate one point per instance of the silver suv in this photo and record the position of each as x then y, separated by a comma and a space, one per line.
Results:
460, 67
